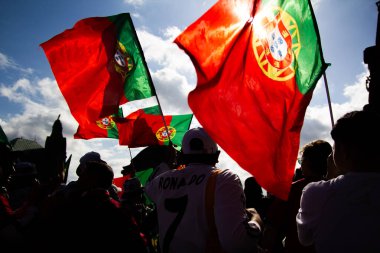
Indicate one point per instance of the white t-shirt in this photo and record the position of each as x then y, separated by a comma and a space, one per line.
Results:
179, 196
342, 214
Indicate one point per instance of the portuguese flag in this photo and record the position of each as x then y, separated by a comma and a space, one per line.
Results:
142, 129
257, 64
98, 65
102, 128
106, 127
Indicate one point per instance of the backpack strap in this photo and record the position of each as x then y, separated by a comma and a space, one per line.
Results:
212, 243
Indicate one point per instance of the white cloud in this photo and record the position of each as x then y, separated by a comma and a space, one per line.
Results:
172, 89
134, 2
171, 33
317, 124
135, 15
39, 109
165, 53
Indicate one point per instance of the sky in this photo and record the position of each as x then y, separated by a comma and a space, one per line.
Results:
30, 100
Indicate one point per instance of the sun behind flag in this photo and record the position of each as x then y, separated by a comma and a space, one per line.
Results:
257, 64
98, 65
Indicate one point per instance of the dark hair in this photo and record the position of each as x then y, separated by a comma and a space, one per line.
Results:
317, 152
359, 132
357, 127
99, 174
210, 159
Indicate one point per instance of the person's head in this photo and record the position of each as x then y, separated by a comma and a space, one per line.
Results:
97, 175
198, 147
314, 158
253, 192
132, 190
88, 157
356, 138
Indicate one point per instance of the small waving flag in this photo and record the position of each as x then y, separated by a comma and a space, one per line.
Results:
142, 129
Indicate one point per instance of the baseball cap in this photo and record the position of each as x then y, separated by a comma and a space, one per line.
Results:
197, 141
91, 156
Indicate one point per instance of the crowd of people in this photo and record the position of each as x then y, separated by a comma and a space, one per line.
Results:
333, 205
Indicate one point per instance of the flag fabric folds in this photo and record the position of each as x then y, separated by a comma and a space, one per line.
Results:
98, 65
257, 64
102, 128
141, 129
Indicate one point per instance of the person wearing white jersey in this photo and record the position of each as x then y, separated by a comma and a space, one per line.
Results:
200, 207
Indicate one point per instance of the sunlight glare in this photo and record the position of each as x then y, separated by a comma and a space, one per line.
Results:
258, 22
242, 11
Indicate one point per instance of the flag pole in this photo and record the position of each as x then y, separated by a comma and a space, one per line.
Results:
133, 166
151, 81
328, 99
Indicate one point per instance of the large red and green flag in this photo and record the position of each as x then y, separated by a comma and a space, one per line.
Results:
99, 64
257, 64
143, 128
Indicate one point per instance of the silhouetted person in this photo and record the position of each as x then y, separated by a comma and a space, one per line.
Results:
133, 200
9, 232
254, 195
201, 208
282, 214
342, 214
94, 220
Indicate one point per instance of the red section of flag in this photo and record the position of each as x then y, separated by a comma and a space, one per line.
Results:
255, 119
140, 129
82, 60
119, 182
103, 128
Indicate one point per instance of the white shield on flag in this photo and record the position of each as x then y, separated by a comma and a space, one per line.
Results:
277, 44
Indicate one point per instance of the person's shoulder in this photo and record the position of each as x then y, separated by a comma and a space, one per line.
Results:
317, 189
227, 175
225, 172
317, 185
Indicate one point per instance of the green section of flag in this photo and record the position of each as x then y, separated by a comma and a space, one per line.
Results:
181, 124
138, 83
309, 64
154, 110
143, 176
114, 132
